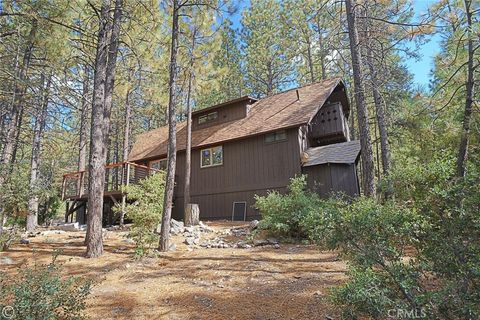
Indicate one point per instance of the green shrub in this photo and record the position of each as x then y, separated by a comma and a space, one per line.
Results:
7, 237
422, 256
145, 211
282, 214
373, 237
364, 294
40, 293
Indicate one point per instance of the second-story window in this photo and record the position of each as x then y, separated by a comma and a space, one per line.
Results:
211, 157
276, 136
207, 117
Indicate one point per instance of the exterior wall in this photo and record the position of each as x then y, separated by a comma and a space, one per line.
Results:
250, 166
227, 113
328, 126
326, 178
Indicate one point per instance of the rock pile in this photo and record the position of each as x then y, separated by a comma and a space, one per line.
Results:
193, 236
217, 242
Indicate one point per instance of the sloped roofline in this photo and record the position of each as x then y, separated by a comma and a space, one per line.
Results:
226, 103
218, 134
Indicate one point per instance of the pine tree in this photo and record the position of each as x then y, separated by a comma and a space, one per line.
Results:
268, 62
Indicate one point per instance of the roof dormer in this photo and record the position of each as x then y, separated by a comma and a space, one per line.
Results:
221, 113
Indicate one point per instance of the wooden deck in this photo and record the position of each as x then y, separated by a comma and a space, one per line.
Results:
117, 176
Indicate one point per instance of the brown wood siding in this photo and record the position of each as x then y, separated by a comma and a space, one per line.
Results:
250, 167
228, 113
329, 125
327, 178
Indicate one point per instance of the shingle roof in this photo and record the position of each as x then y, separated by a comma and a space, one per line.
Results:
282, 110
344, 152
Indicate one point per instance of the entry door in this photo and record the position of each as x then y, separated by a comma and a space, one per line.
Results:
239, 211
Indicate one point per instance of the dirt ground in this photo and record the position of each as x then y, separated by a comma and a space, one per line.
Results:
290, 282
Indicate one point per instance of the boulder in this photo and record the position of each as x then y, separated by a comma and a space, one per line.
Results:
272, 241
24, 241
189, 241
172, 247
6, 260
204, 228
243, 244
69, 226
254, 224
174, 224
188, 229
260, 242
50, 232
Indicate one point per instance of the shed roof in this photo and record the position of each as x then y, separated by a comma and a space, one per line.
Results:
344, 152
278, 111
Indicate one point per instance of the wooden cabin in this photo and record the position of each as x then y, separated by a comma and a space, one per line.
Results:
246, 147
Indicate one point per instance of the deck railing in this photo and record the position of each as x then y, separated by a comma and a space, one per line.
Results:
117, 175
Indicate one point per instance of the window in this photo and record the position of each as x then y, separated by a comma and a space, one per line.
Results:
276, 136
158, 164
207, 117
211, 157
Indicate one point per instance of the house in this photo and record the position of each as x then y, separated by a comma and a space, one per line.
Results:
246, 147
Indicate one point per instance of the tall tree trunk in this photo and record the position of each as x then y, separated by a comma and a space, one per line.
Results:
362, 111
379, 108
126, 144
381, 118
187, 214
16, 108
470, 87
172, 136
32, 217
309, 57
16, 114
111, 66
105, 66
96, 178
83, 141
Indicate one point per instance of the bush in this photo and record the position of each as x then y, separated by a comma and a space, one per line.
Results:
282, 214
7, 237
145, 211
40, 293
374, 238
422, 256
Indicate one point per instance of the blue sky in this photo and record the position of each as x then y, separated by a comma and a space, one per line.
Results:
420, 68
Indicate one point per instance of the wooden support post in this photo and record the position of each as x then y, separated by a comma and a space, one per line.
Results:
67, 210
124, 194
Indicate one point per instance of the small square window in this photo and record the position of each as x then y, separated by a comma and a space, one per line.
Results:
276, 136
217, 155
206, 158
270, 137
280, 135
211, 157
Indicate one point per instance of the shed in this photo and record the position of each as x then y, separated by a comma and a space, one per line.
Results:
332, 168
